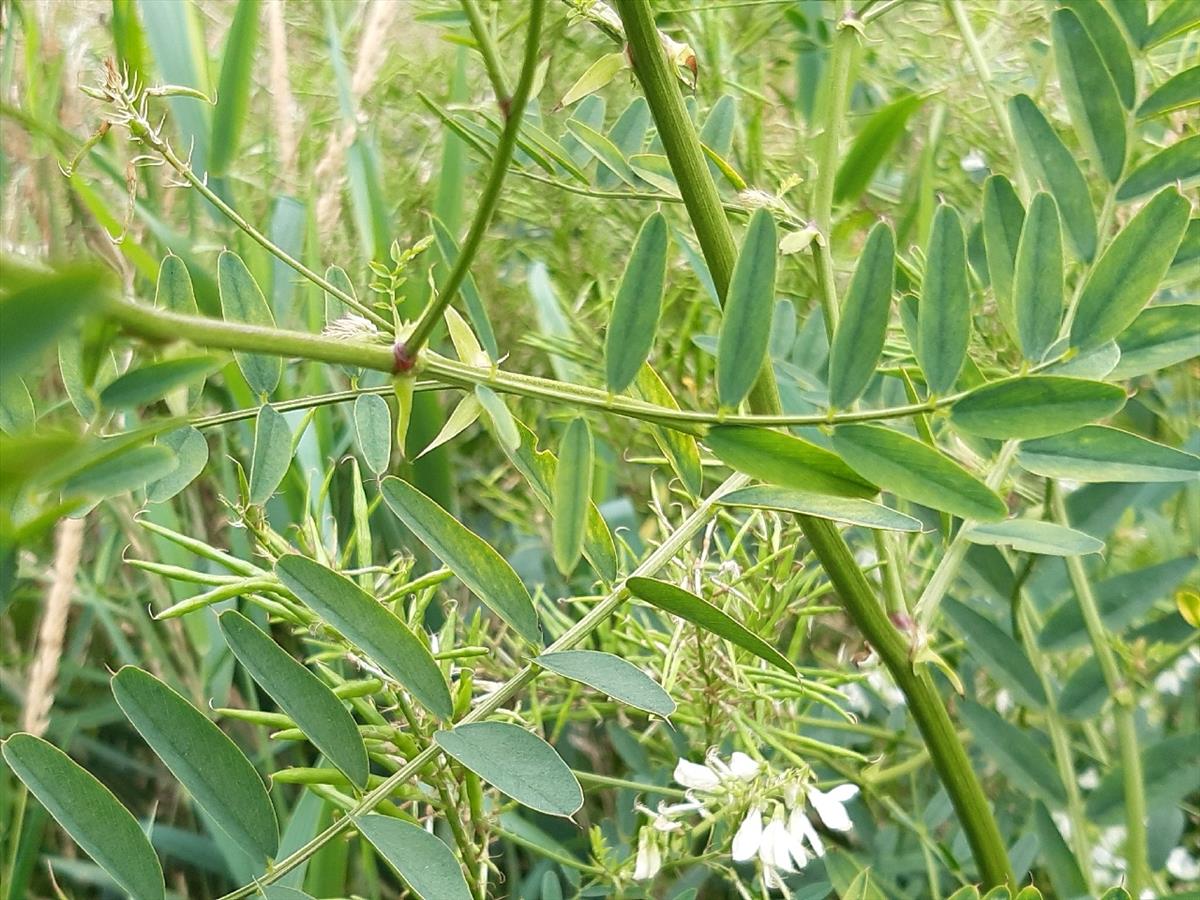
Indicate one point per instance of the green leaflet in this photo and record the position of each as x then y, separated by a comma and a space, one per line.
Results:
681, 450
873, 143
637, 305
299, 693
1061, 865
191, 452
1084, 693
1180, 16
1133, 15
1096, 453
572, 493
603, 149
154, 381
118, 473
364, 622
839, 509
422, 859
272, 454
782, 459
1090, 93
173, 290
1127, 275
1178, 164
1170, 767
233, 92
373, 429
461, 417
1178, 92
207, 763
1121, 599
1003, 218
611, 675
1002, 657
1160, 336
242, 301
858, 341
596, 76
915, 471
627, 135
1111, 45
539, 468
746, 320
944, 313
89, 813
476, 564
700, 612
1037, 298
17, 412
34, 311
1034, 406
1046, 159
1033, 536
517, 763
1014, 752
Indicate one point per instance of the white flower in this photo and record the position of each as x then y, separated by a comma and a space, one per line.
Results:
695, 776
649, 857
831, 805
742, 766
1089, 779
1183, 865
748, 838
801, 830
778, 849
1004, 701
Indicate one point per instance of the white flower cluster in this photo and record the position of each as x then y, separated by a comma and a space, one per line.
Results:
782, 844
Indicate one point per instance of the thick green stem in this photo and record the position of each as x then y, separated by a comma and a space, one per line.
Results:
514, 112
716, 240
1138, 867
487, 49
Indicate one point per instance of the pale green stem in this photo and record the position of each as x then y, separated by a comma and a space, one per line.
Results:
1124, 704
660, 557
514, 112
487, 49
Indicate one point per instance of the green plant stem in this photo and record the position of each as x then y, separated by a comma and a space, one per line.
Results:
514, 113
716, 240
982, 69
487, 49
676, 541
1124, 704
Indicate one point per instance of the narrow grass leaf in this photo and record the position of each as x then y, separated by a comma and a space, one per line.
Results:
596, 76
572, 492
1033, 536
191, 452
1037, 296
272, 454
680, 448
1110, 43
242, 301
1003, 219
361, 619
611, 675
1129, 272
299, 693
872, 145
1159, 337
746, 320
373, 431
461, 417
1178, 92
1091, 95
1015, 753
637, 306
476, 564
1047, 160
420, 857
785, 460
1000, 655
838, 509
1178, 164
87, 810
1096, 453
517, 763
152, 382
915, 471
1121, 599
944, 313
1035, 406
701, 613
858, 341
207, 763
233, 91
1179, 17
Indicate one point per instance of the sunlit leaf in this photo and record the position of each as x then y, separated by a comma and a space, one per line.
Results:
839, 509
1096, 453
611, 675
1033, 536
1176, 93
1034, 406
782, 459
